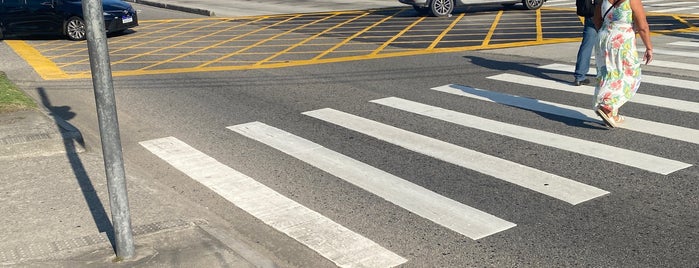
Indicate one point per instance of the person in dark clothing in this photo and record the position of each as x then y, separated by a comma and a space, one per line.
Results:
585, 9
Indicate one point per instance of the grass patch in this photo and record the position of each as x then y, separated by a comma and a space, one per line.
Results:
11, 98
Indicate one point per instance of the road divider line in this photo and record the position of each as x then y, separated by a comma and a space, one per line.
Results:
331, 240
630, 123
545, 183
602, 151
446, 212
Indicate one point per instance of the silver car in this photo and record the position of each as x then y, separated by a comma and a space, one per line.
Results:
443, 8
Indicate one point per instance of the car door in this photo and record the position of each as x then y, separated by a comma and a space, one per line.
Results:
45, 16
13, 15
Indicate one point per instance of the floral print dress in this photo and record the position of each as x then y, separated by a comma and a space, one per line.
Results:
618, 65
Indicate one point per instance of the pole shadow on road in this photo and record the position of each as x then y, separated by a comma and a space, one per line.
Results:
99, 214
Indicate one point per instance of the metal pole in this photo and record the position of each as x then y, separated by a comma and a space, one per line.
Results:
109, 127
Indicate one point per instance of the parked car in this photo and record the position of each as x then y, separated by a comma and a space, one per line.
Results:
62, 17
442, 8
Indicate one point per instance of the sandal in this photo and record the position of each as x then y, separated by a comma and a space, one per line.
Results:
619, 119
610, 122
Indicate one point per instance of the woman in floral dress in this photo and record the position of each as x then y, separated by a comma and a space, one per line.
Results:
618, 64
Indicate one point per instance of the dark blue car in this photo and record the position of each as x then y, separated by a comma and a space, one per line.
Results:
60, 17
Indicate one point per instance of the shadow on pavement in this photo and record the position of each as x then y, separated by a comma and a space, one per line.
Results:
99, 214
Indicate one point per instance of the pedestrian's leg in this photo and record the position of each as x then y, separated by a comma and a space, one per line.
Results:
582, 65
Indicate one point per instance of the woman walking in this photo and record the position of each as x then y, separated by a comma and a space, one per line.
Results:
618, 64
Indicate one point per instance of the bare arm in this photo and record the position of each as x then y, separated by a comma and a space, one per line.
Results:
597, 19
639, 19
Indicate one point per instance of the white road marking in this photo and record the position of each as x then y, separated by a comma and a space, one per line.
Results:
602, 151
668, 103
672, 10
458, 217
331, 240
635, 124
645, 78
549, 184
675, 65
685, 54
685, 44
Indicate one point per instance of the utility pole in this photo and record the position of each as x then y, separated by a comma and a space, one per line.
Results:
109, 127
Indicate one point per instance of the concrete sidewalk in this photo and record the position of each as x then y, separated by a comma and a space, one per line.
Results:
55, 206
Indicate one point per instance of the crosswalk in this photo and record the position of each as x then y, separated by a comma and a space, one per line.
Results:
347, 248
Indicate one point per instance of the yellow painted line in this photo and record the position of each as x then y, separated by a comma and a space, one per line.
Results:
46, 68
83, 50
219, 43
127, 40
398, 35
539, 31
142, 72
493, 26
174, 35
444, 33
343, 42
685, 22
264, 41
248, 47
49, 70
310, 38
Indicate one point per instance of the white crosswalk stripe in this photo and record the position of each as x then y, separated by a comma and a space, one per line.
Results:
585, 114
676, 53
546, 183
673, 10
685, 44
463, 219
675, 65
675, 104
652, 79
606, 152
331, 240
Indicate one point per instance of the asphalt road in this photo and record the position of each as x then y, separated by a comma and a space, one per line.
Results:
646, 220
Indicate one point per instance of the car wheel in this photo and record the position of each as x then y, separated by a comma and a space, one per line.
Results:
532, 4
422, 11
441, 8
75, 28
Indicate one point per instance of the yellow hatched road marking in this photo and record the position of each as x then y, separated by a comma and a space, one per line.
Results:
446, 30
265, 41
493, 26
50, 59
401, 33
145, 43
309, 39
539, 31
46, 68
342, 43
217, 44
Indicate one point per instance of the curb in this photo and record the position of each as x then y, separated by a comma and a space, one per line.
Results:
174, 7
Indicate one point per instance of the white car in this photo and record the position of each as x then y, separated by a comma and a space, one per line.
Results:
442, 8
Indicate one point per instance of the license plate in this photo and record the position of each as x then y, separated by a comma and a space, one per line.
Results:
126, 19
